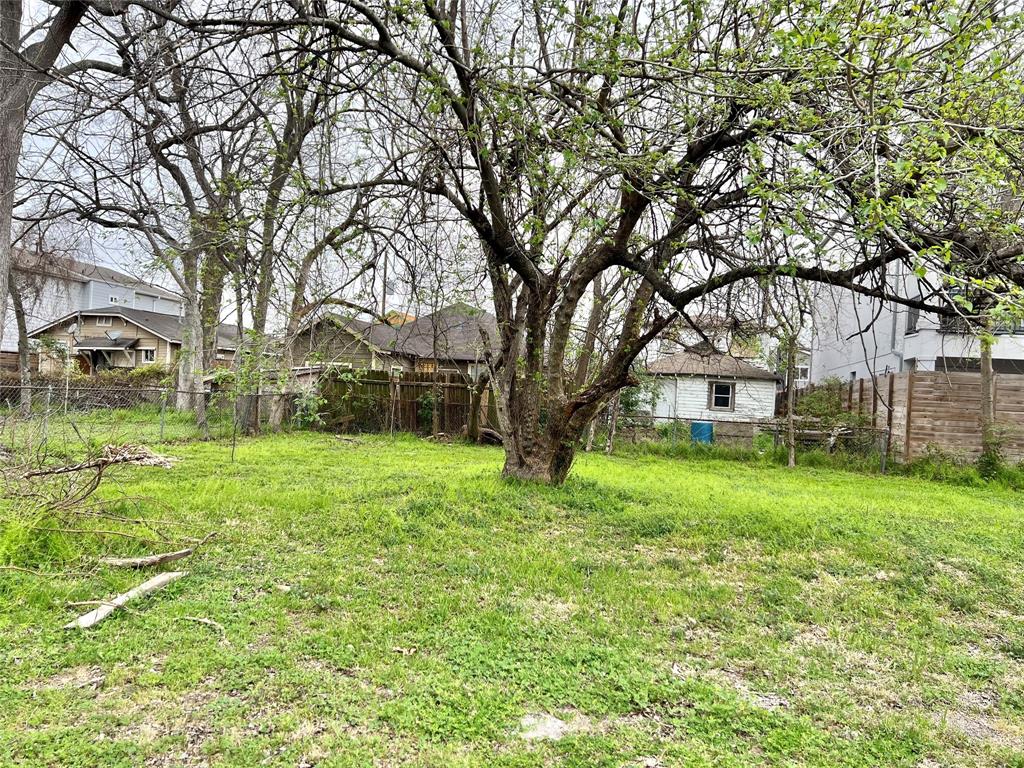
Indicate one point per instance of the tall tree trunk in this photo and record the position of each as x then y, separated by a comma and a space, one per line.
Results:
790, 402
613, 421
990, 448
24, 358
211, 292
279, 402
12, 126
591, 434
476, 397
190, 362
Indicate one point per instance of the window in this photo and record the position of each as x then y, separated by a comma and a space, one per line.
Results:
149, 355
913, 317
721, 395
104, 321
396, 371
115, 299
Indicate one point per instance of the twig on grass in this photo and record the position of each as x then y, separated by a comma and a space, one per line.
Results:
208, 623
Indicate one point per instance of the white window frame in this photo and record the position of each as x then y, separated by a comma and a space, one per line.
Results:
148, 350
732, 396
105, 322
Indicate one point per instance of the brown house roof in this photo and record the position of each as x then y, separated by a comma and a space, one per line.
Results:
456, 329
167, 327
694, 364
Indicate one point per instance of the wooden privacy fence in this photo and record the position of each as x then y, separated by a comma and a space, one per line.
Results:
374, 401
930, 410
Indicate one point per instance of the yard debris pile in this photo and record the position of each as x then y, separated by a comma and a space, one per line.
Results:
109, 455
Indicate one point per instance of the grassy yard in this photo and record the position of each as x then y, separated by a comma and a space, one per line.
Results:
396, 603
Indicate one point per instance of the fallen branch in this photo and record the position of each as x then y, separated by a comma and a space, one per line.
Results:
488, 435
148, 561
152, 585
111, 455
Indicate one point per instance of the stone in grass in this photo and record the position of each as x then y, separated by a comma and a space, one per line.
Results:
545, 727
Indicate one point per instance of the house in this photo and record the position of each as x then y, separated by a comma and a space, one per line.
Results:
51, 287
453, 339
348, 342
692, 386
119, 337
856, 337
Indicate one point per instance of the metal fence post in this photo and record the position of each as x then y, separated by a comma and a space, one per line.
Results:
163, 413
46, 412
234, 425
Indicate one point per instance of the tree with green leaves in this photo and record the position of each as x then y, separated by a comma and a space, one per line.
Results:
581, 138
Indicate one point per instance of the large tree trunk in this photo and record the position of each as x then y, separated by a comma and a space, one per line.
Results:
990, 448
547, 460
191, 395
790, 402
476, 397
211, 291
541, 444
279, 402
12, 125
24, 358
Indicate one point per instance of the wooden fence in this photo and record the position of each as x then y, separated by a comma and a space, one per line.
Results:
374, 401
927, 410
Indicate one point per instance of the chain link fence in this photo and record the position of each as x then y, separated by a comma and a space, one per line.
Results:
66, 418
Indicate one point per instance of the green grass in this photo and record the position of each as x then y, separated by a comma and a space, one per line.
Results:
397, 603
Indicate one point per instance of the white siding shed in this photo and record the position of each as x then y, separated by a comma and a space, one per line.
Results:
698, 387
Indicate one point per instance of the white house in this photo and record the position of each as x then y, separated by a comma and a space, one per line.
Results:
713, 387
857, 336
52, 287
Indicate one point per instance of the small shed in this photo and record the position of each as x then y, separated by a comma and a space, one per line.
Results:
712, 387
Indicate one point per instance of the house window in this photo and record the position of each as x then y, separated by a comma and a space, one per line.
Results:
104, 321
114, 299
721, 395
149, 355
396, 371
913, 318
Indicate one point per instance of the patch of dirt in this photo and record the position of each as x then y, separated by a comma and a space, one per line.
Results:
542, 726
542, 609
978, 701
73, 678
730, 678
954, 572
981, 727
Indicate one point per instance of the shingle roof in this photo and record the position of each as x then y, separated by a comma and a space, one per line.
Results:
104, 342
694, 364
457, 329
165, 326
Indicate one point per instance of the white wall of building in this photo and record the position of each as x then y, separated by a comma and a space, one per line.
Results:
856, 336
686, 397
50, 299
